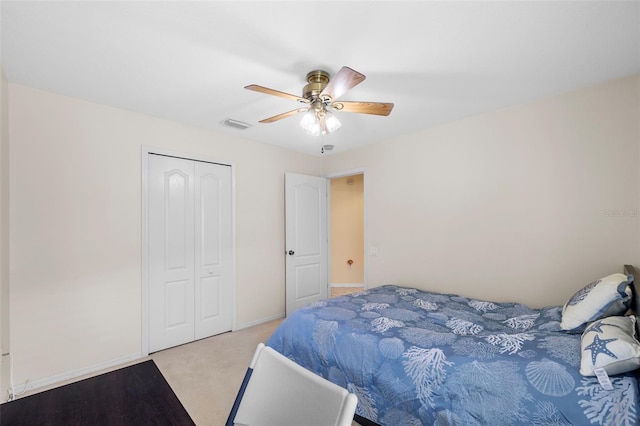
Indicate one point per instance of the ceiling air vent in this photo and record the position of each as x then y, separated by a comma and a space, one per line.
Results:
236, 124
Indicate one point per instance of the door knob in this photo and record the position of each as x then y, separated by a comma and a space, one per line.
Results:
291, 252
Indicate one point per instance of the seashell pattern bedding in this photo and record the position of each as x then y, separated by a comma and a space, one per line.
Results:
423, 358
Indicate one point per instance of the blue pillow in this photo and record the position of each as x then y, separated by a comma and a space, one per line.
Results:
608, 296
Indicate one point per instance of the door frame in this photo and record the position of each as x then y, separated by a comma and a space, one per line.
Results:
351, 172
145, 152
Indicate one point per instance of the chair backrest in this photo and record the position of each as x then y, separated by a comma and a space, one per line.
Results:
278, 392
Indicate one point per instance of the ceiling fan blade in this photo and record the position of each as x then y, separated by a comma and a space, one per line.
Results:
375, 108
344, 80
284, 115
273, 92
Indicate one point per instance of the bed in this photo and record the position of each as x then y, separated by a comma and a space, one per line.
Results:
414, 357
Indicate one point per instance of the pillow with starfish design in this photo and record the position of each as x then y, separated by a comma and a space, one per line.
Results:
612, 344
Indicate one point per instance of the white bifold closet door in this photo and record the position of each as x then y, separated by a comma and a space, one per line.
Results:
190, 248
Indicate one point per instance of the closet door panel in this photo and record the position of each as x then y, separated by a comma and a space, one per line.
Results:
171, 251
214, 256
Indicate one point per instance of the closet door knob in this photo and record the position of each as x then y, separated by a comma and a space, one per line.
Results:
291, 252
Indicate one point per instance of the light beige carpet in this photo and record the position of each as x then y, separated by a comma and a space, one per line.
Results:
206, 375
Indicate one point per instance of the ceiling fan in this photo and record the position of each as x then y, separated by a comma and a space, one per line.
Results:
320, 96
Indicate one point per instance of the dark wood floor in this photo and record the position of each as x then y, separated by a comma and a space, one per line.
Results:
134, 395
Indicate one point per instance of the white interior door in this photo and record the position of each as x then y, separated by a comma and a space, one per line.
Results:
306, 240
190, 250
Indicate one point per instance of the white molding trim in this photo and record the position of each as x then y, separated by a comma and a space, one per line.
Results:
260, 321
345, 285
57, 378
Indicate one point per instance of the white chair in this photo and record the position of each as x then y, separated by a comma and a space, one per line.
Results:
278, 392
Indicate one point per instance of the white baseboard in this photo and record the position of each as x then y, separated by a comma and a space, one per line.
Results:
57, 378
258, 322
337, 285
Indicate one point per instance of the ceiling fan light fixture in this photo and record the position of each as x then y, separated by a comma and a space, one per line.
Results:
332, 123
318, 121
315, 130
310, 123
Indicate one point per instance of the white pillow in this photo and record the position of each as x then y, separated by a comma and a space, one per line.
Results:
608, 296
610, 343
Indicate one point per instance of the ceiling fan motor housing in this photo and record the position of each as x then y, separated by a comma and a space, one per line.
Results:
317, 80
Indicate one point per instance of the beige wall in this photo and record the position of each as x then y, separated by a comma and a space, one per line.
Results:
528, 203
347, 230
76, 237
4, 234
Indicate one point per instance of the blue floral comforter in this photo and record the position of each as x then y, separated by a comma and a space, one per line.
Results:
422, 358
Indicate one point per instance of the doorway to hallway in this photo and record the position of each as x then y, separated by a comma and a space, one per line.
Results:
347, 234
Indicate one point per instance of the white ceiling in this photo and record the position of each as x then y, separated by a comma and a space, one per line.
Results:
437, 61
